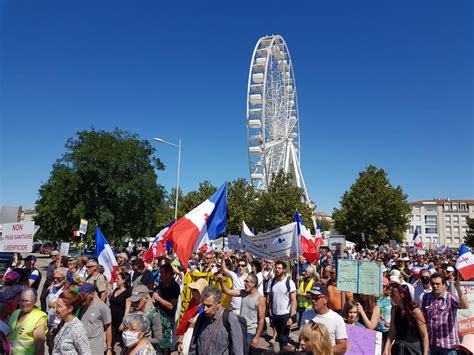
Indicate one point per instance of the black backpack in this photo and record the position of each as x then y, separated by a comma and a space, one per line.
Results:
243, 326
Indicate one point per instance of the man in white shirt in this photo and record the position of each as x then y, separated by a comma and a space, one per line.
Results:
282, 303
327, 317
237, 282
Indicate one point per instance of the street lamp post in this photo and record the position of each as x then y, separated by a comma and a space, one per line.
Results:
177, 179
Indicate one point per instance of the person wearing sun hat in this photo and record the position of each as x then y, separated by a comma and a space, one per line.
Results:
396, 277
186, 325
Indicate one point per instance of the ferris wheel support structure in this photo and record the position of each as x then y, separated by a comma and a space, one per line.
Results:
273, 130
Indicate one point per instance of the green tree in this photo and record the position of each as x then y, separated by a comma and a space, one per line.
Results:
373, 207
106, 177
276, 207
469, 239
194, 198
324, 224
240, 197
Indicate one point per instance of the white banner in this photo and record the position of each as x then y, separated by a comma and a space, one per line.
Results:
17, 237
278, 244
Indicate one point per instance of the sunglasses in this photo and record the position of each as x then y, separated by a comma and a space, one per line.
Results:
242, 265
88, 266
58, 278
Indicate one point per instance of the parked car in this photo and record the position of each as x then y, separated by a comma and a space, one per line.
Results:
90, 253
37, 246
47, 248
6, 260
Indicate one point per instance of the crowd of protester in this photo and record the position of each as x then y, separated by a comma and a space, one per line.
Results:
82, 312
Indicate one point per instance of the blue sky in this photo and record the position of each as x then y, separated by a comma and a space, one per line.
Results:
387, 83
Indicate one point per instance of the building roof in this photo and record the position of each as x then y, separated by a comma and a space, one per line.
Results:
322, 214
440, 201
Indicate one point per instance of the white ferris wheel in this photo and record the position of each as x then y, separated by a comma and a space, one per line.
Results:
273, 131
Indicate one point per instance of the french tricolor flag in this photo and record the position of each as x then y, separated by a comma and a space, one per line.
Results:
308, 247
105, 256
465, 263
158, 246
417, 240
202, 224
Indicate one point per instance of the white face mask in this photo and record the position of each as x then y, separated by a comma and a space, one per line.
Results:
130, 338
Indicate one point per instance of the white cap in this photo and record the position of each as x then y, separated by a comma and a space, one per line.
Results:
450, 269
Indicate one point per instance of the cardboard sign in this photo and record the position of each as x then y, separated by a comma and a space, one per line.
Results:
362, 341
359, 276
17, 237
64, 248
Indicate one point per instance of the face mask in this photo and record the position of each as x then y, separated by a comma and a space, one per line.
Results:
130, 338
425, 280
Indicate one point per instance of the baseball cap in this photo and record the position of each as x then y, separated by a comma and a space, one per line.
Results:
319, 289
30, 257
87, 288
450, 269
139, 292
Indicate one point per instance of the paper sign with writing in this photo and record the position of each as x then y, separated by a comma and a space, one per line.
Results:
370, 278
347, 275
17, 237
64, 248
466, 316
359, 276
280, 243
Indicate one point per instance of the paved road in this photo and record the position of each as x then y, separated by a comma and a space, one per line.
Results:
42, 264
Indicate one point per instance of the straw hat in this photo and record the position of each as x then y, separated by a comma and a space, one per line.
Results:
198, 285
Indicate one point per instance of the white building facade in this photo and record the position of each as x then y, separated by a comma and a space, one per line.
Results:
440, 221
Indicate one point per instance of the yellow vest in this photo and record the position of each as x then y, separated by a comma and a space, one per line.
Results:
21, 335
303, 302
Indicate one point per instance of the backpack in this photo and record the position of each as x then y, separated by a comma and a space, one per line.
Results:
243, 326
287, 283
225, 320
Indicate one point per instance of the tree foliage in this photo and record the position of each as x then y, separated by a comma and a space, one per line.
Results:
469, 239
277, 207
107, 178
373, 207
240, 198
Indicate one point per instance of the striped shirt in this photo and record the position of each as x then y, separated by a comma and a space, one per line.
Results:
440, 316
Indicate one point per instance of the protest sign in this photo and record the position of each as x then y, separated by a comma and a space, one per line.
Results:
64, 248
359, 276
347, 275
211, 280
466, 316
278, 244
233, 242
17, 237
363, 341
83, 226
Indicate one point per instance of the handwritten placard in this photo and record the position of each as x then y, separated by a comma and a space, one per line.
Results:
359, 276
347, 275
